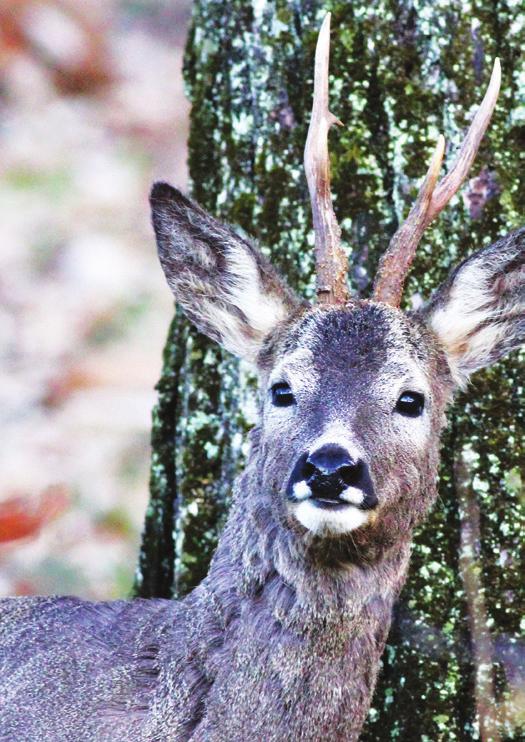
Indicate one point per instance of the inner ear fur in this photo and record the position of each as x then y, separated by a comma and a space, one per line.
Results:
224, 284
478, 314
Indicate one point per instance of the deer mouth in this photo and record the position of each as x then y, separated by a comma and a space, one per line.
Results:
337, 497
326, 503
330, 479
327, 506
330, 517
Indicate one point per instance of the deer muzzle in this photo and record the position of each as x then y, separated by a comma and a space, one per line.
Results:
331, 478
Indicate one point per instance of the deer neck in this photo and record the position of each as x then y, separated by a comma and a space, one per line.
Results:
299, 582
303, 637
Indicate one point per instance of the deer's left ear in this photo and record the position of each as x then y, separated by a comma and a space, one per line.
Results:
224, 284
478, 314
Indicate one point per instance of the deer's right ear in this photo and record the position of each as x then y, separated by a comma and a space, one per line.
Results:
225, 286
478, 314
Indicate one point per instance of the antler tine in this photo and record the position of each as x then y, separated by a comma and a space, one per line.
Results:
331, 261
432, 199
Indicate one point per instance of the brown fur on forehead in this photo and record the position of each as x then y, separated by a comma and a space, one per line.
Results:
361, 331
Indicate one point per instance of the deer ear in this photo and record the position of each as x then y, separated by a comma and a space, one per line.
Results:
224, 284
479, 312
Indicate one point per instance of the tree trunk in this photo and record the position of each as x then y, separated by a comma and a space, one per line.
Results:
399, 76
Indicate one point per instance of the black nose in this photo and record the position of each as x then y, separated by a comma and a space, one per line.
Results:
331, 468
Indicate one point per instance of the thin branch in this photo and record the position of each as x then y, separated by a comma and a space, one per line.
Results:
432, 199
330, 258
470, 568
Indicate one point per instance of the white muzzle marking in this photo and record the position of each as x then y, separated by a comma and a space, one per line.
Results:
321, 520
352, 495
301, 490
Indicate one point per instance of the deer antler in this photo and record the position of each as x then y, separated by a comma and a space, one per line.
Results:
432, 199
330, 259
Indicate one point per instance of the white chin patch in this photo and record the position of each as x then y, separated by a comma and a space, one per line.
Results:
320, 520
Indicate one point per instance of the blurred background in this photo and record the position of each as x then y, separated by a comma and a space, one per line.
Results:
92, 110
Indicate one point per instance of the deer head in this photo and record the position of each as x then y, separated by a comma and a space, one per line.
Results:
353, 392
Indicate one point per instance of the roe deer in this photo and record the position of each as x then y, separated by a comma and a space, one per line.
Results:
282, 639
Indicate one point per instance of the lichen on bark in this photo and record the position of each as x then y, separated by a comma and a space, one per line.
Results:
401, 73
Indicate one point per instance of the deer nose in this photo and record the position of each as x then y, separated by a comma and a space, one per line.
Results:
331, 469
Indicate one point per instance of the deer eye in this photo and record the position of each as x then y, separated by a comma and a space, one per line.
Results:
410, 404
282, 395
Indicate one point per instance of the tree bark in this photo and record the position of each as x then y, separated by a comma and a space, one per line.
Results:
400, 75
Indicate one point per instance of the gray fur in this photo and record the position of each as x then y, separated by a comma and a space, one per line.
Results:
282, 639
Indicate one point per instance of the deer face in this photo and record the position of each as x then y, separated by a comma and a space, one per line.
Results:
352, 395
353, 402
